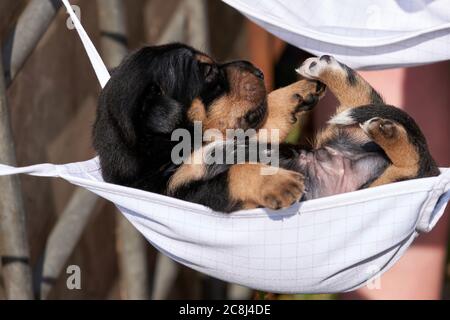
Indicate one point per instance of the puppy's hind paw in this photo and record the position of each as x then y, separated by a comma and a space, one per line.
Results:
380, 129
314, 68
282, 189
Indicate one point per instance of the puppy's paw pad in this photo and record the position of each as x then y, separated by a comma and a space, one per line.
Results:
308, 102
309, 68
282, 189
313, 68
308, 96
379, 127
327, 59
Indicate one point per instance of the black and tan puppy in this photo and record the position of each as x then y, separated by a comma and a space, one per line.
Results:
160, 89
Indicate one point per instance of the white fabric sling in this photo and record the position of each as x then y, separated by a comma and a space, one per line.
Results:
364, 34
331, 244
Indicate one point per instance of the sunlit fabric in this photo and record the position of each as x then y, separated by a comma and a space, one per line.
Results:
363, 34
332, 244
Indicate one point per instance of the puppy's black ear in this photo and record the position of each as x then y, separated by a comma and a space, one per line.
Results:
115, 113
160, 113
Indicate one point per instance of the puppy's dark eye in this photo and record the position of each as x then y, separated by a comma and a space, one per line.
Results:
153, 90
209, 71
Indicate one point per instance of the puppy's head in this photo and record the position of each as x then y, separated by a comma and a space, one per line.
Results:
159, 89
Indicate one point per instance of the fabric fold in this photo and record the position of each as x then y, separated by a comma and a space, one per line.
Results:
331, 244
362, 34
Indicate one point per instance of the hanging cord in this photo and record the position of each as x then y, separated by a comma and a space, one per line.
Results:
97, 63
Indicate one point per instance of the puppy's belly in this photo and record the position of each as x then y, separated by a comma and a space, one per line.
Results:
329, 173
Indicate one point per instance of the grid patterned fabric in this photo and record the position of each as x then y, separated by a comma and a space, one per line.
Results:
332, 244
363, 34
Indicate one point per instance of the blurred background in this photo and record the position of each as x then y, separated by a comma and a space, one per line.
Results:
52, 92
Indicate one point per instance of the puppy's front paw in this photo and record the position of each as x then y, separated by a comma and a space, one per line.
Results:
315, 68
310, 99
305, 95
281, 190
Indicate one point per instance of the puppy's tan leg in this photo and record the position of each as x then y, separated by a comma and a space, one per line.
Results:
393, 139
350, 89
192, 169
251, 185
348, 86
247, 185
286, 104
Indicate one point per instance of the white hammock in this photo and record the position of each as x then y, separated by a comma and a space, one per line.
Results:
362, 34
331, 244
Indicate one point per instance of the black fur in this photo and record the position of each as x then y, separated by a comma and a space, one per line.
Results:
145, 100
351, 74
375, 97
200, 191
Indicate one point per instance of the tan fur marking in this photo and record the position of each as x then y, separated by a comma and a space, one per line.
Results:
225, 112
396, 145
247, 92
348, 95
282, 104
248, 186
392, 174
398, 148
197, 111
192, 170
323, 136
204, 58
330, 132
